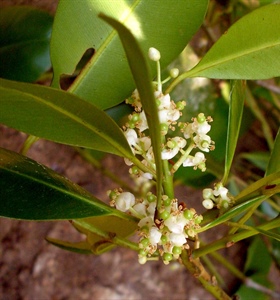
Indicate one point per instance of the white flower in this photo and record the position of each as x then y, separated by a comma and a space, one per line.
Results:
143, 124
177, 239
176, 224
200, 125
147, 221
203, 142
125, 201
174, 145
154, 235
145, 143
140, 209
188, 131
165, 100
151, 208
221, 191
195, 161
131, 137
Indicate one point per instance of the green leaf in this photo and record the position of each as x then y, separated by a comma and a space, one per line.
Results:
248, 292
233, 212
142, 77
250, 49
259, 159
236, 104
253, 261
111, 225
79, 247
274, 161
106, 80
30, 191
268, 185
24, 43
270, 234
59, 116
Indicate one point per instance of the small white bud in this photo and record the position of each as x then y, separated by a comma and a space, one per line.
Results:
208, 204
154, 54
124, 201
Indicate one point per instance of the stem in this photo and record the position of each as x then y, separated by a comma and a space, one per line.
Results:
179, 162
159, 83
168, 180
230, 240
247, 281
244, 218
109, 236
259, 115
213, 270
196, 268
31, 139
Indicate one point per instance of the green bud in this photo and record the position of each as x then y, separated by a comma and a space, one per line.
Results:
177, 250
180, 105
167, 256
201, 118
164, 239
164, 127
164, 215
198, 219
225, 204
171, 144
131, 124
188, 214
142, 252
174, 72
151, 197
135, 118
144, 243
134, 170
167, 202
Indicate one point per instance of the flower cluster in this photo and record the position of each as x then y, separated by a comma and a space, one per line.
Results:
218, 197
164, 225
167, 235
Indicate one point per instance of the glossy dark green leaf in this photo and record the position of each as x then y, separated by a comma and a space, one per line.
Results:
142, 77
59, 116
236, 104
250, 49
24, 43
106, 80
30, 191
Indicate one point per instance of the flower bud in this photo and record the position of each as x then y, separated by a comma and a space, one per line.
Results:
208, 204
174, 72
154, 54
125, 201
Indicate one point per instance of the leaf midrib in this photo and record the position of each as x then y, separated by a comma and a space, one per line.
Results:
73, 117
55, 187
100, 50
